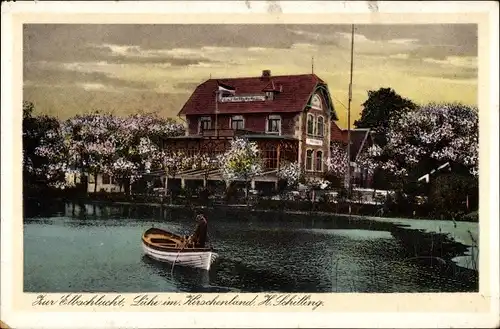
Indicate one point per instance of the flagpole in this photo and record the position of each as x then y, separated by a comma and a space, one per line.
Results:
349, 121
216, 112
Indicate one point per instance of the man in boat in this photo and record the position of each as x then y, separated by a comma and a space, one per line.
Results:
199, 238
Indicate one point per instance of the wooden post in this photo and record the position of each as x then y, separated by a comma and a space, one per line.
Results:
166, 182
278, 154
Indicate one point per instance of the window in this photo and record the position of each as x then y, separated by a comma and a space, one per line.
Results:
271, 157
192, 151
106, 179
91, 179
320, 126
237, 122
319, 161
274, 124
309, 160
310, 124
205, 124
316, 102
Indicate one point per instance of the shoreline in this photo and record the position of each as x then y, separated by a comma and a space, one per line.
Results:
463, 232
252, 209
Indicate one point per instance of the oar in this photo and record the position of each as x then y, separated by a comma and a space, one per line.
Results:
175, 260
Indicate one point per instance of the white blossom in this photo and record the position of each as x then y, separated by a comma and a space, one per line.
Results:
290, 172
241, 161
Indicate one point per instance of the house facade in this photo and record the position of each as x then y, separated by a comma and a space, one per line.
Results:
289, 117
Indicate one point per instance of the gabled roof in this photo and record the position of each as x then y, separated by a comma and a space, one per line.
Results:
361, 138
292, 95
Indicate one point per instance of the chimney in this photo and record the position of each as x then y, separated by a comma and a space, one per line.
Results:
266, 74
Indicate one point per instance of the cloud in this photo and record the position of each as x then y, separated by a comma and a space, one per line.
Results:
71, 74
400, 56
128, 67
467, 62
93, 86
186, 86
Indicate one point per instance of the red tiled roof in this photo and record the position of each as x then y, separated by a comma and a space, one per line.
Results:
360, 138
295, 93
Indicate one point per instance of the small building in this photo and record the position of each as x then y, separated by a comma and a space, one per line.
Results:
104, 183
290, 117
361, 139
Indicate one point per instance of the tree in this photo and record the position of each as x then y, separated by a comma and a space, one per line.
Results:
453, 195
241, 162
138, 150
336, 163
290, 173
205, 163
173, 163
92, 141
44, 154
380, 108
425, 138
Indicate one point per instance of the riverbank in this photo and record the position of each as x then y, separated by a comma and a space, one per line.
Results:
465, 233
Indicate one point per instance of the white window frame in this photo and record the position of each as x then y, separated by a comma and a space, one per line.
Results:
313, 124
316, 162
273, 117
204, 119
312, 160
238, 118
316, 132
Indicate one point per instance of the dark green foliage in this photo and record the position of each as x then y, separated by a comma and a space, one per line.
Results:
449, 193
380, 108
35, 130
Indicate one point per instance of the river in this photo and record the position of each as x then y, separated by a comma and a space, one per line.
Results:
68, 248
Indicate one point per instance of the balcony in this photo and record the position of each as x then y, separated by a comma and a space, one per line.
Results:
228, 132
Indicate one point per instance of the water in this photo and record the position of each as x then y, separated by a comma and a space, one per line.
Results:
66, 250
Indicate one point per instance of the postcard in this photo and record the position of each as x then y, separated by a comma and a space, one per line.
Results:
249, 164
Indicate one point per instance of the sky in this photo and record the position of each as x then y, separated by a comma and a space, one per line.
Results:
73, 69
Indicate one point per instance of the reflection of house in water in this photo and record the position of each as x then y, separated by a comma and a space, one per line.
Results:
289, 117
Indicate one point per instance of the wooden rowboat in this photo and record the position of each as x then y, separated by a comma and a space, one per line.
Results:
165, 247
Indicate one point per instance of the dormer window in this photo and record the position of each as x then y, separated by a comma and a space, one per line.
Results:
269, 95
274, 124
205, 124
237, 122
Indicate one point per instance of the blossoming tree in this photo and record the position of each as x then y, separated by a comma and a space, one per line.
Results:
44, 154
241, 161
206, 163
92, 143
291, 173
423, 139
139, 151
336, 163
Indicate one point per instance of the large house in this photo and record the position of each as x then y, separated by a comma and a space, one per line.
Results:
290, 118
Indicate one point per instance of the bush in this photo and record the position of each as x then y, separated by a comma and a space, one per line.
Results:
448, 195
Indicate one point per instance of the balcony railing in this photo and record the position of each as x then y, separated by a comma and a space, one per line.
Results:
227, 132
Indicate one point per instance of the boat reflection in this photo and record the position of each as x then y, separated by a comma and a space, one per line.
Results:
186, 279
226, 274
